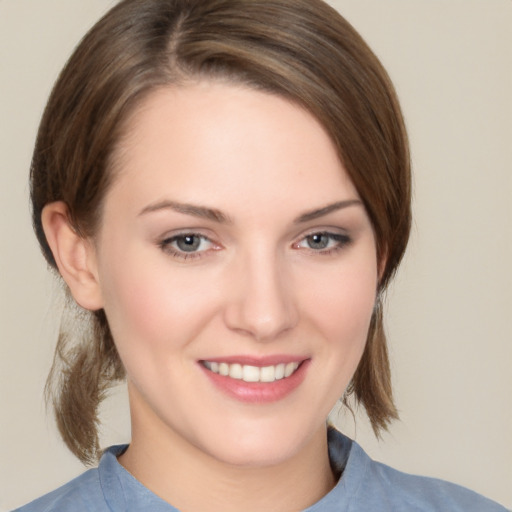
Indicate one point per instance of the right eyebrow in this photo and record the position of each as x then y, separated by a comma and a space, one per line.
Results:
325, 210
202, 212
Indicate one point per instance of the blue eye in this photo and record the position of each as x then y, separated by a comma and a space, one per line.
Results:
318, 241
186, 245
324, 242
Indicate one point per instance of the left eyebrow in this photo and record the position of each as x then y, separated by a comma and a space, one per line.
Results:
320, 212
188, 209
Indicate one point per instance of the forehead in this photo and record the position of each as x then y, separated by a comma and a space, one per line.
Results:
209, 140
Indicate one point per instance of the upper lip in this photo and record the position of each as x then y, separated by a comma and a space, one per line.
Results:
259, 361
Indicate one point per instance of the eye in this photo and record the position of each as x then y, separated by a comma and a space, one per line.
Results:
187, 245
323, 242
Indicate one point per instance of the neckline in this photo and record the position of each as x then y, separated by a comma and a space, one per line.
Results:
123, 492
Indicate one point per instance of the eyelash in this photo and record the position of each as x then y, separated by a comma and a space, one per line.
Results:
166, 246
341, 241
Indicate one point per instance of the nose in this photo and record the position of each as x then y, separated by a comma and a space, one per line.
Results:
262, 301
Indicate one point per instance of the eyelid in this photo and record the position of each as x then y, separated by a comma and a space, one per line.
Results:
325, 230
191, 231
166, 244
342, 238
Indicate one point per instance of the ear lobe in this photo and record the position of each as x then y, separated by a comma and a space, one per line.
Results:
74, 255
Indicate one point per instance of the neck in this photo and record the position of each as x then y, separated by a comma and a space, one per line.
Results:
192, 480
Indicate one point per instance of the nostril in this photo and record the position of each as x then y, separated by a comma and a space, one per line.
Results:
262, 304
261, 320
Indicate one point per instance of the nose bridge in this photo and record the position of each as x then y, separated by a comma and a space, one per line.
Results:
262, 304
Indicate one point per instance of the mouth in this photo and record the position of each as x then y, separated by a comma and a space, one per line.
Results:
250, 373
256, 380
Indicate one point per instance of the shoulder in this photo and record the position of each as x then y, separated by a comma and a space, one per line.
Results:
95, 490
369, 485
107, 488
397, 491
81, 494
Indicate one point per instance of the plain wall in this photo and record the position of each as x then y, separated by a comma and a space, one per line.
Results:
450, 310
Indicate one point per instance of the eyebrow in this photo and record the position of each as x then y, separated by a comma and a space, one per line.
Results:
188, 209
217, 216
325, 210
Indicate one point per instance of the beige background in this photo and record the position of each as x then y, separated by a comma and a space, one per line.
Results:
451, 308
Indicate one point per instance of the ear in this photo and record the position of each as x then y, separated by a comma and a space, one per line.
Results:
75, 256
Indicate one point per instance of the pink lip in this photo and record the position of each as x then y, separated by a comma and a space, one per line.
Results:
258, 392
259, 361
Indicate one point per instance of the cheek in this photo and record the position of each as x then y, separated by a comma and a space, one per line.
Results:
341, 302
149, 306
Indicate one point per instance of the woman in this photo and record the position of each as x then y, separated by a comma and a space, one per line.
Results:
225, 186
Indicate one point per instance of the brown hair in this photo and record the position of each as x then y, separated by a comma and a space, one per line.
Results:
302, 50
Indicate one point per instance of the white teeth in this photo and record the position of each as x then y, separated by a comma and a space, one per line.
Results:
235, 371
268, 374
223, 369
280, 371
249, 373
290, 368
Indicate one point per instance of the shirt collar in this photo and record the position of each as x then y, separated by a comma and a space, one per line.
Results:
123, 492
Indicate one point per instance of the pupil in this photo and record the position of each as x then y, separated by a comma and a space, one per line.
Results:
188, 243
318, 241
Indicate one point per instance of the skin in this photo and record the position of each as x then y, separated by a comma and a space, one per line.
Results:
259, 177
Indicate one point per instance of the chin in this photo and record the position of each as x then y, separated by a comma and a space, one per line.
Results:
262, 447
255, 457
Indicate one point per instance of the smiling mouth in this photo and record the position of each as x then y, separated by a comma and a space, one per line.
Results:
249, 373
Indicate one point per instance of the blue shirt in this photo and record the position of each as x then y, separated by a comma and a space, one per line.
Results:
365, 486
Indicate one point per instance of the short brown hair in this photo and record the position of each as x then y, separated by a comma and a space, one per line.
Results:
302, 50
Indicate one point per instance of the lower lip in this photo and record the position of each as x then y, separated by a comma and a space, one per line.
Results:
258, 392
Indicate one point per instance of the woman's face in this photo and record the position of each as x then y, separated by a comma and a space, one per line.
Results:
237, 268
